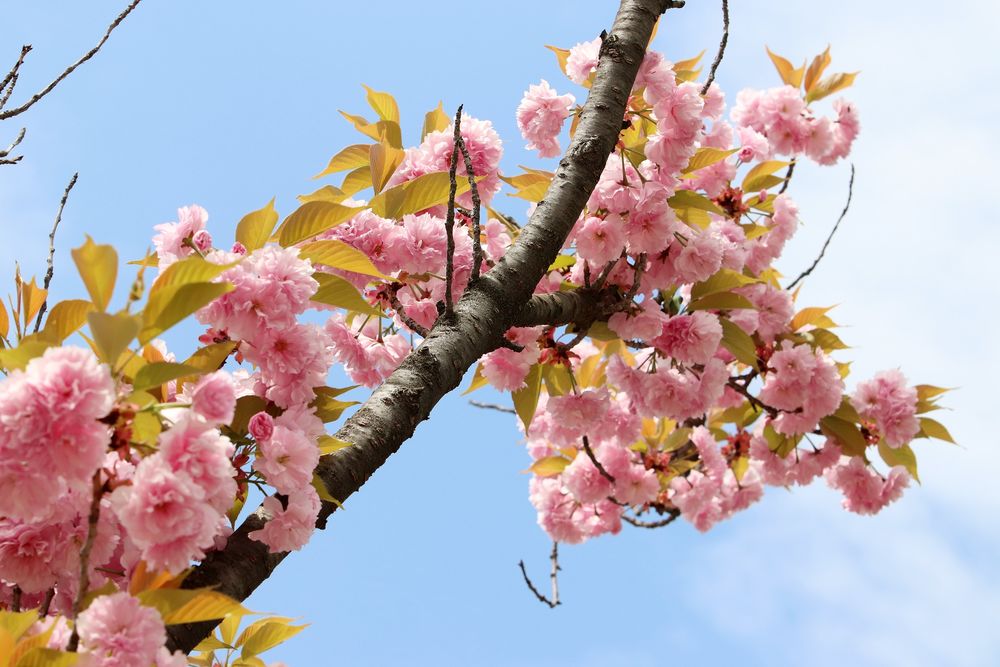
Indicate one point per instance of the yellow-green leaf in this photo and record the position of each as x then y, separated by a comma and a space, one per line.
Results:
435, 120
831, 85
256, 227
754, 181
339, 255
899, 456
526, 399
813, 316
4, 321
816, 69
930, 428
739, 343
323, 492
98, 267
706, 157
169, 306
684, 199
47, 657
478, 381
383, 162
562, 56
32, 298
689, 64
328, 444
789, 74
928, 391
18, 357
847, 435
211, 357
335, 291
417, 195
178, 605
112, 333
212, 643
313, 218
65, 318
351, 157
550, 466
146, 428
328, 193
161, 372
721, 301
383, 104
193, 269
268, 636
16, 623
356, 181
723, 280
562, 262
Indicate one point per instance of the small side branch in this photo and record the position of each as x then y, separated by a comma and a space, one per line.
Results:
850, 193
722, 47
593, 459
788, 177
449, 222
9, 81
477, 247
88, 545
639, 523
552, 602
69, 70
4, 153
52, 250
493, 406
413, 325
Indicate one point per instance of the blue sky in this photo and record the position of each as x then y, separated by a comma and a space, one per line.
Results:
228, 104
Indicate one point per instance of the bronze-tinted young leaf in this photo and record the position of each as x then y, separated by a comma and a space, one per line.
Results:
32, 298
339, 255
789, 74
98, 267
550, 466
65, 318
383, 104
350, 157
706, 157
170, 305
112, 334
435, 120
562, 56
383, 160
417, 195
816, 69
313, 218
335, 291
830, 85
754, 180
688, 64
930, 428
4, 320
526, 399
256, 227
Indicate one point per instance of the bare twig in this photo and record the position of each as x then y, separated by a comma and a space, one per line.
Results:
9, 81
52, 250
69, 70
760, 405
493, 406
639, 523
788, 177
15, 599
4, 153
850, 193
449, 222
88, 545
722, 47
43, 611
593, 459
414, 326
552, 602
477, 247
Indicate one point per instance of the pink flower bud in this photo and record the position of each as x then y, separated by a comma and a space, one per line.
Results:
261, 426
239, 249
202, 240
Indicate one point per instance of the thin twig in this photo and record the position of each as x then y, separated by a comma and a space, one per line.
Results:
414, 326
15, 599
88, 545
850, 193
788, 177
477, 247
69, 70
593, 459
493, 406
639, 523
43, 611
554, 578
449, 222
11, 77
722, 47
52, 250
17, 140
760, 405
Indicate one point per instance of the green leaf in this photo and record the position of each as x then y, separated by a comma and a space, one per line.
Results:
246, 407
435, 120
755, 181
683, 199
351, 157
112, 333
847, 435
383, 104
739, 343
47, 657
830, 85
169, 306
193, 269
98, 267
478, 381
550, 466
313, 218
65, 318
706, 157
561, 262
256, 228
16, 623
677, 439
723, 280
356, 181
930, 428
161, 372
526, 399
721, 301
339, 255
778, 443
421, 193
335, 291
190, 606
211, 357
328, 444
899, 456
928, 391
269, 635
328, 193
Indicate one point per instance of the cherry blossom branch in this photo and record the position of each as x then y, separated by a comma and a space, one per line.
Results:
15, 599
12, 77
43, 611
756, 402
850, 193
722, 48
552, 602
88, 545
404, 318
788, 177
4, 153
477, 247
449, 221
52, 250
639, 523
485, 311
593, 459
10, 80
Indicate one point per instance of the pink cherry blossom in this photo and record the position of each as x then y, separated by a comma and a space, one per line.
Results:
289, 528
214, 398
891, 404
287, 459
118, 631
540, 117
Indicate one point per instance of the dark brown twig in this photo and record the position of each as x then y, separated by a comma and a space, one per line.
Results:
43, 611
593, 459
722, 47
449, 222
477, 247
850, 193
493, 406
553, 577
639, 523
756, 402
15, 599
414, 326
69, 70
88, 545
52, 250
788, 177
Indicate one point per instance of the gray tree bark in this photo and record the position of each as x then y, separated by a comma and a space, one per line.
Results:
498, 300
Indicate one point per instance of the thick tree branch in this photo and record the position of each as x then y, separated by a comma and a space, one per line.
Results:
476, 326
579, 305
10, 113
